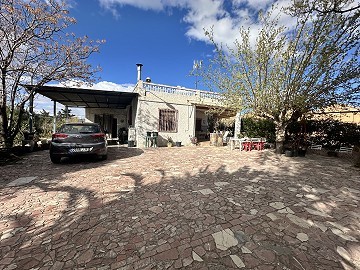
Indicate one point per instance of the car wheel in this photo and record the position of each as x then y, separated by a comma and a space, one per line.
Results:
55, 159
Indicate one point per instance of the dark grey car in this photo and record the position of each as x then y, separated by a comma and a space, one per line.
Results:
75, 139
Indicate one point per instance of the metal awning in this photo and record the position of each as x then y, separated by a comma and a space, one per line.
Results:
85, 98
223, 113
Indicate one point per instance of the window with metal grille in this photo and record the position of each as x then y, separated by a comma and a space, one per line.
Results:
167, 120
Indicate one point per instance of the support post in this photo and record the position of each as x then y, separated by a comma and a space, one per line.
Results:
54, 119
237, 130
31, 112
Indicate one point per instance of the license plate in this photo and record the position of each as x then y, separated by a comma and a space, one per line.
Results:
80, 150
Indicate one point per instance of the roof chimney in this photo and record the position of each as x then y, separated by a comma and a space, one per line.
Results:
139, 66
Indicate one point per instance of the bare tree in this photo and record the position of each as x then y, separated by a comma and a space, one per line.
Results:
35, 49
324, 6
289, 72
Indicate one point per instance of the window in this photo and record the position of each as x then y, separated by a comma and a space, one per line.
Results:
167, 120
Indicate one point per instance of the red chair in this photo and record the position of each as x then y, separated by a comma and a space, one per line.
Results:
258, 143
247, 145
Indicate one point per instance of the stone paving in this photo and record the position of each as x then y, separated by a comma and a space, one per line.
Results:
180, 208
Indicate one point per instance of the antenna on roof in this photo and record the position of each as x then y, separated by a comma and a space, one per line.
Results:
196, 66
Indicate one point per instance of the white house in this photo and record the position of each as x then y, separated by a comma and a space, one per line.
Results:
172, 111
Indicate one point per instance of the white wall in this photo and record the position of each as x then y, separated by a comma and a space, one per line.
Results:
147, 119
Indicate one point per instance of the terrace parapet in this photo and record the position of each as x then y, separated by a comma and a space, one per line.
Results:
178, 94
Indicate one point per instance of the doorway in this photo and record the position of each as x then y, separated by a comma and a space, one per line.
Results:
198, 124
114, 133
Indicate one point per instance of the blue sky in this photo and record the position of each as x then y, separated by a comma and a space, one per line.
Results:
157, 39
166, 36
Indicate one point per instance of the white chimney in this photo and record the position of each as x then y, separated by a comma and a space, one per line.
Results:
139, 66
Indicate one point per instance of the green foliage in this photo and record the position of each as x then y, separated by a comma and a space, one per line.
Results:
23, 127
255, 127
286, 73
43, 124
330, 133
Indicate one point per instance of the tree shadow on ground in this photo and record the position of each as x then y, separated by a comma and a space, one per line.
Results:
284, 213
41, 161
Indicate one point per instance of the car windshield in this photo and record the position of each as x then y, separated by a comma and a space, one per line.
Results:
76, 129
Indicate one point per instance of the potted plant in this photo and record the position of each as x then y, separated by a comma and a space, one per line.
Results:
288, 153
169, 142
302, 150
300, 146
193, 140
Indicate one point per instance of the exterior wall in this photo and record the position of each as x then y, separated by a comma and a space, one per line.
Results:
145, 111
134, 105
147, 119
342, 114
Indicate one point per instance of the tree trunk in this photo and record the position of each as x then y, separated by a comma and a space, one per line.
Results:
280, 137
356, 153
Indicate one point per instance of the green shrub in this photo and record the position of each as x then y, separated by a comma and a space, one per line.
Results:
254, 127
331, 134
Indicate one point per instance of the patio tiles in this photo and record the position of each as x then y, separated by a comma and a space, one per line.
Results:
181, 208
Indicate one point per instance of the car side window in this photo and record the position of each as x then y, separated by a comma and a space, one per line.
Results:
97, 129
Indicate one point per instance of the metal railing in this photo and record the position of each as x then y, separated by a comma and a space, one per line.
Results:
177, 90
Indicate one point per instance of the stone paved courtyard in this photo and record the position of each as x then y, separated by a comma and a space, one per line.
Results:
180, 208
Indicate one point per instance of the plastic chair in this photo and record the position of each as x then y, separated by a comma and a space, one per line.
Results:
247, 145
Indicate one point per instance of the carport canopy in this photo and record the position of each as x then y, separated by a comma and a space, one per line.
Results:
85, 98
221, 112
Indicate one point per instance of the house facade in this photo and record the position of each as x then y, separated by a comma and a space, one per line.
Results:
172, 111
346, 114
175, 112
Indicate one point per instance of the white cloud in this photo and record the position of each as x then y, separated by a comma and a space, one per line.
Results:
225, 16
41, 102
104, 85
255, 4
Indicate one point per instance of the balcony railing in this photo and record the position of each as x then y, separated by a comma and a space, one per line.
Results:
181, 91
